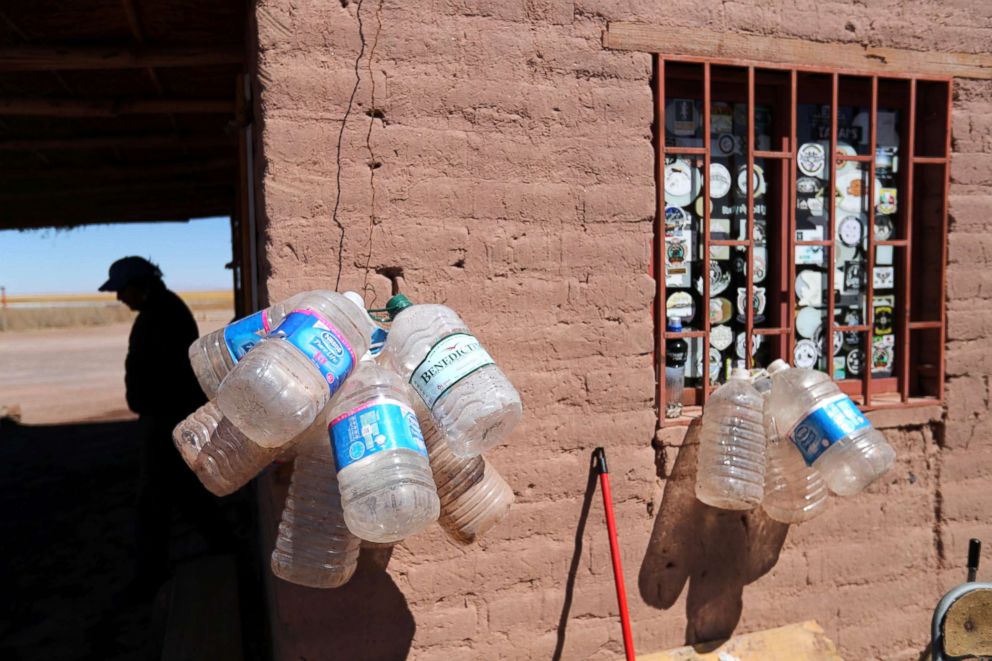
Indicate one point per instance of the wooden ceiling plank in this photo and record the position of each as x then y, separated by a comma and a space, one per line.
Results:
70, 58
113, 108
145, 171
140, 141
738, 49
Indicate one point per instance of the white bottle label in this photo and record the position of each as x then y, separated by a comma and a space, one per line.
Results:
449, 361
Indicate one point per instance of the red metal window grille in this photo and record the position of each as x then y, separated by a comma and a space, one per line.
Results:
802, 214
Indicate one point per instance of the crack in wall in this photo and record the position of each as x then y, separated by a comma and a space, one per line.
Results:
374, 163
344, 123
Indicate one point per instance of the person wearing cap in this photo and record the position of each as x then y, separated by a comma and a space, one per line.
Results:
162, 389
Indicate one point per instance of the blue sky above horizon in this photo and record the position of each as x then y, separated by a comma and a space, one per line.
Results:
191, 255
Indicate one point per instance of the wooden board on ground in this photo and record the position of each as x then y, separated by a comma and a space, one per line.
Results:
805, 641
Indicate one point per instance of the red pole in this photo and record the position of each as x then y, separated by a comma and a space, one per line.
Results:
599, 463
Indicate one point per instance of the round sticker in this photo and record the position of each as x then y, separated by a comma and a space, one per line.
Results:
884, 320
844, 149
676, 219
855, 361
849, 230
755, 343
809, 287
881, 358
759, 304
838, 342
721, 337
759, 264
808, 185
757, 180
726, 144
884, 158
885, 202
851, 190
719, 278
811, 158
807, 321
675, 252
805, 354
680, 304
719, 180
720, 310
700, 210
716, 362
681, 182
883, 228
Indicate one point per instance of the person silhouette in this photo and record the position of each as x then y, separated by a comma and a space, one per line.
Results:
162, 389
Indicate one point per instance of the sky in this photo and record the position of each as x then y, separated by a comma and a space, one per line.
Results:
191, 255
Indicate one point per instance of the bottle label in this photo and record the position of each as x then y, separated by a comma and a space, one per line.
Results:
376, 426
829, 422
377, 341
242, 336
449, 361
321, 342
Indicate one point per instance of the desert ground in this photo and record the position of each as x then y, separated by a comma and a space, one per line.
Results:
72, 374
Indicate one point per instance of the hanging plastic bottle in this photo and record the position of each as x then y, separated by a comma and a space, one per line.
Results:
387, 489
831, 433
794, 492
277, 389
731, 466
474, 496
378, 338
314, 546
221, 456
676, 352
473, 403
216, 353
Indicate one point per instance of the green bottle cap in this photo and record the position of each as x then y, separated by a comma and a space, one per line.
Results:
397, 304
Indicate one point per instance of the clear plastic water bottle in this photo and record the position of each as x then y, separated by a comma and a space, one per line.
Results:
831, 433
378, 338
314, 546
473, 403
731, 466
216, 353
676, 353
387, 489
277, 389
794, 492
474, 496
221, 456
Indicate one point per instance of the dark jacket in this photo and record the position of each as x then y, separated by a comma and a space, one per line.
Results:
157, 373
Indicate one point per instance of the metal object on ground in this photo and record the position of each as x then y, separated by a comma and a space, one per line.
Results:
962, 621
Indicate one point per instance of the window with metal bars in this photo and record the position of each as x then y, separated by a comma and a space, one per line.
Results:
802, 214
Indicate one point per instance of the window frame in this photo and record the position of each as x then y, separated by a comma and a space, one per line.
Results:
914, 362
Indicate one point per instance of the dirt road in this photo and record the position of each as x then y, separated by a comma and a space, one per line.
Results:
71, 374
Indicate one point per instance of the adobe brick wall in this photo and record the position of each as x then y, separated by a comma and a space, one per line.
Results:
513, 181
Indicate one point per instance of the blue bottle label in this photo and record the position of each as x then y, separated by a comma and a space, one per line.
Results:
828, 423
377, 341
376, 426
319, 340
244, 334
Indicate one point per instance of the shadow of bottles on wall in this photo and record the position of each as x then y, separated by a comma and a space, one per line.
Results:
717, 552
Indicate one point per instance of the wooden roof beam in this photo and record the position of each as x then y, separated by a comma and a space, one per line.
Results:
113, 108
55, 58
128, 141
735, 48
144, 172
